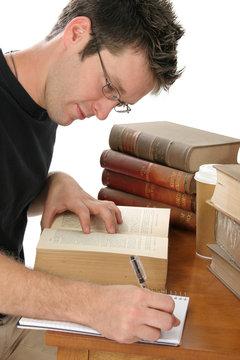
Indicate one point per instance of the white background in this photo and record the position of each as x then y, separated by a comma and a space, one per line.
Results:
206, 96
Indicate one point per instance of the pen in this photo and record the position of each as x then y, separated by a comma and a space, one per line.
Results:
138, 270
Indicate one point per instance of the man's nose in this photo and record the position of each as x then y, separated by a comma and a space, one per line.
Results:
103, 108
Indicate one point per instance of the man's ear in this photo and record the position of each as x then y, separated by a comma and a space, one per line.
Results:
77, 32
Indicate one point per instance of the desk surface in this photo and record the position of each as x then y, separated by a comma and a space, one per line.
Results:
212, 327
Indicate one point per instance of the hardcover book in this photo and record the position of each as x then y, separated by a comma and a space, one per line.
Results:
227, 235
174, 145
151, 191
105, 258
149, 171
225, 269
226, 196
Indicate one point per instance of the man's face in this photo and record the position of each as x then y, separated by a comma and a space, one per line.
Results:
74, 87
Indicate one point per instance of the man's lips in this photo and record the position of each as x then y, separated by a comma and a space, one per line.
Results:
81, 115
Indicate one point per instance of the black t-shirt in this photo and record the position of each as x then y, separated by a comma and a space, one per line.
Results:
27, 137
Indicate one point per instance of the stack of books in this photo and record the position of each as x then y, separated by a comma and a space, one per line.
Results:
152, 164
137, 182
226, 252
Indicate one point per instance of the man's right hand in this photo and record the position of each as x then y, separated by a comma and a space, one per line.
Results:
128, 314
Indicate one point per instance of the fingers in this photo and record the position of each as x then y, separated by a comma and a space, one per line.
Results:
161, 301
111, 216
84, 218
166, 305
142, 333
156, 317
151, 333
156, 314
176, 322
107, 210
147, 325
148, 333
47, 218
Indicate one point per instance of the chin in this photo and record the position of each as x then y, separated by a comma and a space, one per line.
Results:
67, 122
63, 121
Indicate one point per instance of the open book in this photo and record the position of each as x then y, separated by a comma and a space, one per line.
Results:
171, 337
104, 258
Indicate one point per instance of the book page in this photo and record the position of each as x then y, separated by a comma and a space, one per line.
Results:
151, 246
136, 220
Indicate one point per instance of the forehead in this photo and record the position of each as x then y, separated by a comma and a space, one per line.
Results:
130, 72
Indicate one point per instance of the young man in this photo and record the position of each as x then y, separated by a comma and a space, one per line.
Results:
100, 55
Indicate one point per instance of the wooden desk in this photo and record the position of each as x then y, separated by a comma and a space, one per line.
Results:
212, 328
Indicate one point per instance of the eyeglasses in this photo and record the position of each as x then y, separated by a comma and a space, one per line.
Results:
112, 93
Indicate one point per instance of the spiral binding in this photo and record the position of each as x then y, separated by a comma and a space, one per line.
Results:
174, 294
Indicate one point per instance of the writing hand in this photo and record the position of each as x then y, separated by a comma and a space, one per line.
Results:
128, 314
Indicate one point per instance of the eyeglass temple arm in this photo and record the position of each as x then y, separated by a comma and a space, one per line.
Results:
103, 68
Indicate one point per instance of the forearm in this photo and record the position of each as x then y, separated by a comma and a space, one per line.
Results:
31, 293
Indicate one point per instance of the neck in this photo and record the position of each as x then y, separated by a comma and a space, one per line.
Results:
32, 67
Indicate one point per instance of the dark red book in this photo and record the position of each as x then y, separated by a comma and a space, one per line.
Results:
178, 217
148, 171
151, 191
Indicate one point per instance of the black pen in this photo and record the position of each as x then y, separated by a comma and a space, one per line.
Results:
138, 270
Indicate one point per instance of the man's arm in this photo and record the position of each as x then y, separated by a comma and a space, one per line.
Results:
123, 313
61, 192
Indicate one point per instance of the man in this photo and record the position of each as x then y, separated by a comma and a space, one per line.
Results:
100, 55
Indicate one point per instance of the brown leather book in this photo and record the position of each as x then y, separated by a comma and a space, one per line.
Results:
148, 190
174, 145
178, 217
148, 171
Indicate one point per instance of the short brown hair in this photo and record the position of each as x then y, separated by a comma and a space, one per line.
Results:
150, 25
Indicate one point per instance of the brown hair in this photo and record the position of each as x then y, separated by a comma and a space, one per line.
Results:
149, 25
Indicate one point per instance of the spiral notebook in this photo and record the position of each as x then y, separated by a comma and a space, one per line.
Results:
171, 337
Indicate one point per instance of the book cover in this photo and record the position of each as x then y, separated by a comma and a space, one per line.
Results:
149, 171
178, 217
226, 196
225, 269
105, 258
178, 146
151, 191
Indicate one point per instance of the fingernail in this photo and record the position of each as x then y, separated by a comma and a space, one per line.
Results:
112, 229
87, 229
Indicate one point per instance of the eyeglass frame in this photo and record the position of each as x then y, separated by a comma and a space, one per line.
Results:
110, 86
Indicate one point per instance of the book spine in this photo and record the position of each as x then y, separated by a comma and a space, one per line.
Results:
178, 217
149, 147
148, 171
148, 190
